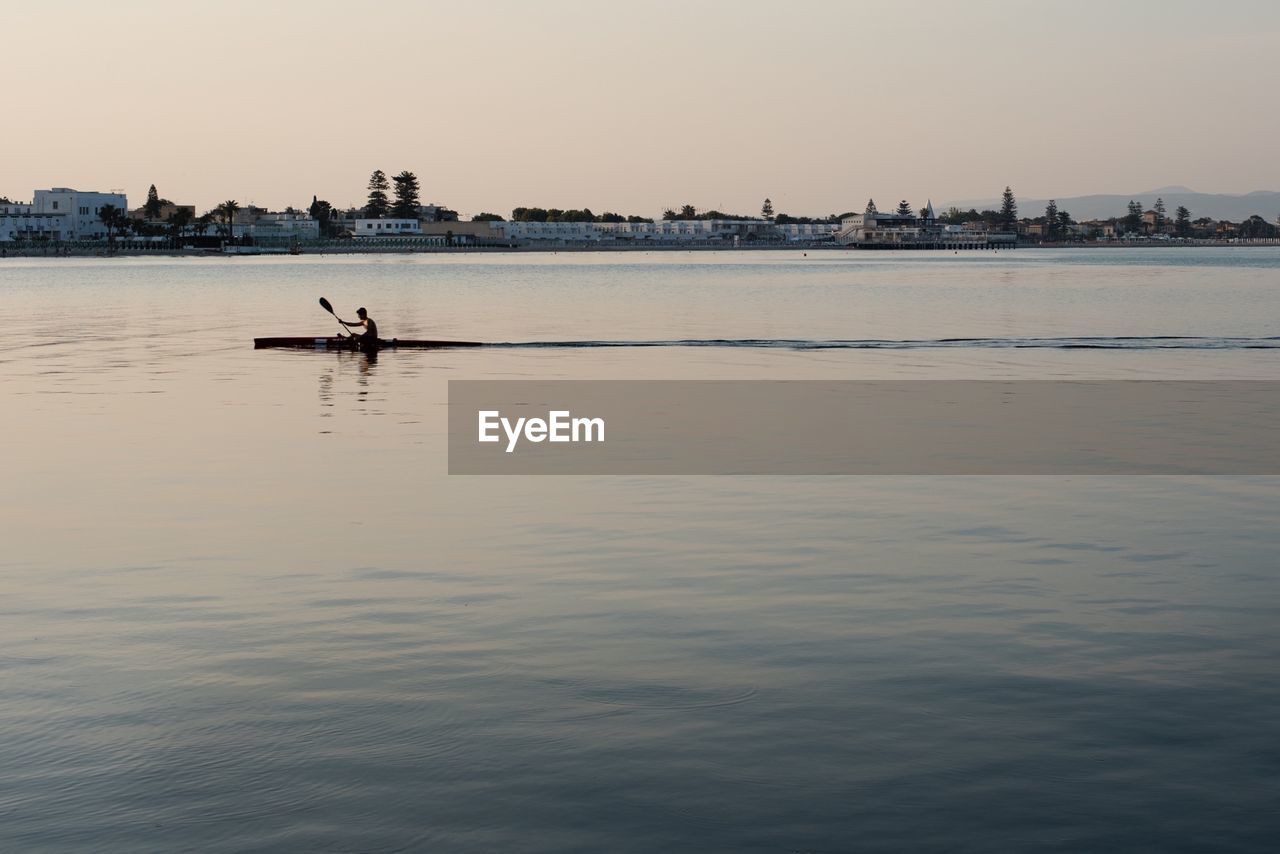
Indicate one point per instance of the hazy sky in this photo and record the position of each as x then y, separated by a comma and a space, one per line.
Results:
634, 107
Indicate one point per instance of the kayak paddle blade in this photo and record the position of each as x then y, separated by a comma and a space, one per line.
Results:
324, 303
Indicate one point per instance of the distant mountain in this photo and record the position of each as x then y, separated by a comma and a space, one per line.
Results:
1264, 203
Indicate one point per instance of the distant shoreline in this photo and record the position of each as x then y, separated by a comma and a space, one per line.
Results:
92, 252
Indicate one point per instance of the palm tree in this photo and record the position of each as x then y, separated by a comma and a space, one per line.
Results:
178, 222
110, 215
228, 210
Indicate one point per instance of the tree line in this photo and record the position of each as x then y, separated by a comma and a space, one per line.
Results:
525, 214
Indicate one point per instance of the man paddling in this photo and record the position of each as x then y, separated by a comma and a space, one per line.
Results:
368, 339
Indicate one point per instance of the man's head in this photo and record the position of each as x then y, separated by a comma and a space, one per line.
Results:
361, 313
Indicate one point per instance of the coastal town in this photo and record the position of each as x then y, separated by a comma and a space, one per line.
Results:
62, 220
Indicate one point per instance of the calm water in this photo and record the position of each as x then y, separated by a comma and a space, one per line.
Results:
245, 609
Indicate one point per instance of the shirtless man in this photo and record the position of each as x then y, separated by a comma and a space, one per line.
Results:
368, 339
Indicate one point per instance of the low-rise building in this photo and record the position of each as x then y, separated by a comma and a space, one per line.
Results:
81, 209
385, 227
718, 231
21, 222
287, 225
436, 213
875, 230
167, 210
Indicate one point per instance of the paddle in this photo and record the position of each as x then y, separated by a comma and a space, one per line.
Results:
324, 303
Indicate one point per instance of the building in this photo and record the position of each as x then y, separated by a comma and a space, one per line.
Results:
79, 209
20, 222
59, 214
436, 213
808, 232
166, 210
385, 227
876, 230
1097, 229
680, 231
288, 225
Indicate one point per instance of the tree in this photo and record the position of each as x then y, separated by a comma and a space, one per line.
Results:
406, 205
1051, 218
1064, 220
487, 217
871, 207
1133, 220
904, 208
153, 204
227, 210
1256, 226
1160, 216
766, 210
1008, 210
1181, 221
377, 206
109, 215
688, 212
322, 212
178, 222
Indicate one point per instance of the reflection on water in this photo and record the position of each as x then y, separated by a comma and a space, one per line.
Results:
245, 609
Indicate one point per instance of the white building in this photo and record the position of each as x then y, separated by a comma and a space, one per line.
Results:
808, 232
719, 231
385, 227
79, 208
20, 222
285, 226
876, 230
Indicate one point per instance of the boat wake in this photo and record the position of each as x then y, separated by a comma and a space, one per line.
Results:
1159, 342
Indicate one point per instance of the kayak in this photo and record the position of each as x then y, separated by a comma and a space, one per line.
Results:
337, 342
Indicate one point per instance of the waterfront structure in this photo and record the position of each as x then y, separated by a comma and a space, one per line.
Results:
167, 210
436, 213
808, 232
875, 230
287, 225
78, 209
385, 227
20, 222
58, 214
690, 231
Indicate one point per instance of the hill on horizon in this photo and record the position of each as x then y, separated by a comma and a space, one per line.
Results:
1264, 203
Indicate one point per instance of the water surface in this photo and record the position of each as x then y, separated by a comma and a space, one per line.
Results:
244, 607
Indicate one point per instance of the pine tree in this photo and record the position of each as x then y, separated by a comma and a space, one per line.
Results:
766, 210
1160, 215
871, 207
406, 204
1182, 221
1008, 210
153, 204
1133, 219
1051, 218
377, 206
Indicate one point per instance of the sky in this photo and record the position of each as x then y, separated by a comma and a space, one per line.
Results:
637, 107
